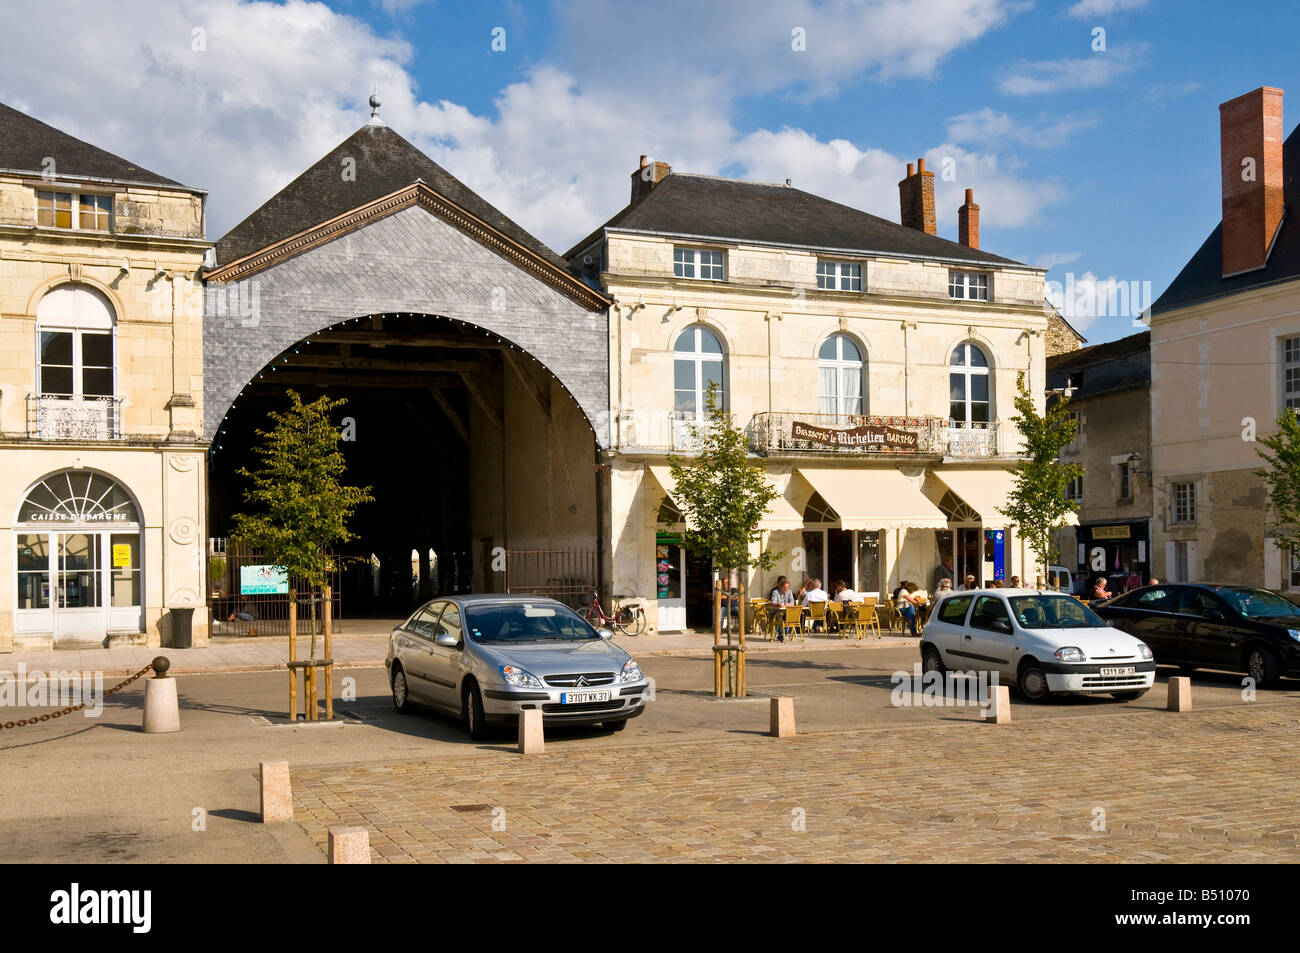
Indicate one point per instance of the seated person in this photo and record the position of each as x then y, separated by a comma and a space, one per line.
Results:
945, 585
814, 593
781, 594
843, 593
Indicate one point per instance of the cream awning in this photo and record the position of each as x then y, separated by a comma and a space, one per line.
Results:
664, 477
781, 514
984, 491
875, 499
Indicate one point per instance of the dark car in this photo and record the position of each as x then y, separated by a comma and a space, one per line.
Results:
1233, 628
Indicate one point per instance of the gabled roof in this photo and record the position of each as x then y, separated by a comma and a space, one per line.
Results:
707, 207
1103, 368
1202, 276
26, 145
383, 163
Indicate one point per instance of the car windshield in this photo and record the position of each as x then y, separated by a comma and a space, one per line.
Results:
526, 622
1053, 612
1258, 603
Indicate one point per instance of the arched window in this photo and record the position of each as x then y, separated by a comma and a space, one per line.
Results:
697, 364
74, 339
968, 385
840, 377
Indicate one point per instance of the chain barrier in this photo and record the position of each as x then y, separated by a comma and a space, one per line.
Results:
68, 711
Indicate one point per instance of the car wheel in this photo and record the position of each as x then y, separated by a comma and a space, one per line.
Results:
931, 660
401, 697
1129, 696
1262, 666
614, 725
472, 712
1033, 682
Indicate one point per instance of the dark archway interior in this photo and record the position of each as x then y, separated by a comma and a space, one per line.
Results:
410, 382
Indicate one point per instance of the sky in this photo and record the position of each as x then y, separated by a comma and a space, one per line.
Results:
1087, 128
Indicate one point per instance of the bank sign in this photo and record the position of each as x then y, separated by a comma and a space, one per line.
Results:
868, 437
263, 581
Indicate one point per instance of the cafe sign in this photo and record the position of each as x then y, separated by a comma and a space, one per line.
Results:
1111, 532
867, 437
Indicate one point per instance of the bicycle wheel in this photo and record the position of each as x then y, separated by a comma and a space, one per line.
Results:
631, 620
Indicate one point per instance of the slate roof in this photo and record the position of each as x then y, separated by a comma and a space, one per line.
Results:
1202, 276
1103, 368
385, 163
26, 143
705, 206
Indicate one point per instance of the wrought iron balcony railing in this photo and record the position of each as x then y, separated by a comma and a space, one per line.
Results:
901, 436
73, 418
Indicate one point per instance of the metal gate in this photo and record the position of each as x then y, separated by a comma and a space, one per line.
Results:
566, 575
235, 614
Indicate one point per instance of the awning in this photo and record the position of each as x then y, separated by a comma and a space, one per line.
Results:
664, 476
984, 491
781, 515
875, 499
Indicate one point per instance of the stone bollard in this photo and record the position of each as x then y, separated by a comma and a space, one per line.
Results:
782, 717
349, 845
998, 702
531, 738
161, 708
1180, 693
277, 802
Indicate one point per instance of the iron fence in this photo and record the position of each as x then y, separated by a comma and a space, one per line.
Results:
235, 613
566, 575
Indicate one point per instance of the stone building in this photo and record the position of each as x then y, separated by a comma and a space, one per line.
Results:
1225, 361
101, 396
1109, 396
873, 366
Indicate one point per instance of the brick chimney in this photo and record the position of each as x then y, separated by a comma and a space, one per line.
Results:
968, 222
916, 198
647, 176
1250, 148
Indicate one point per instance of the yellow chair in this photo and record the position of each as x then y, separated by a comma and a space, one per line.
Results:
758, 617
817, 613
851, 620
868, 617
792, 622
835, 617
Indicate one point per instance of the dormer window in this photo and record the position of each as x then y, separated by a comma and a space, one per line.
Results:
969, 285
697, 263
77, 210
839, 275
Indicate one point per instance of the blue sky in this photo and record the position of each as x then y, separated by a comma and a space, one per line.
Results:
1097, 162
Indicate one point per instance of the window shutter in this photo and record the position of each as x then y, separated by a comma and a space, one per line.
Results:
1274, 578
1171, 562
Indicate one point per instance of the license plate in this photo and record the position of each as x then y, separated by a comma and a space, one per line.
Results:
1118, 672
579, 698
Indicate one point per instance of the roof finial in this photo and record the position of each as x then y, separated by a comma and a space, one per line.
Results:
375, 103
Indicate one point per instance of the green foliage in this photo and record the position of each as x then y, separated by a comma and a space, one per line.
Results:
721, 495
299, 506
1037, 504
1282, 477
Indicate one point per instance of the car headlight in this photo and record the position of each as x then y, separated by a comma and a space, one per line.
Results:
1294, 633
631, 672
1144, 650
516, 676
1069, 653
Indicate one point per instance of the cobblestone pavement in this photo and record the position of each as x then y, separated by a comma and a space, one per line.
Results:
1206, 786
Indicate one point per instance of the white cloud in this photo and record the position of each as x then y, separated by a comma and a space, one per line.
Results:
1085, 9
988, 127
1085, 299
1025, 78
1052, 259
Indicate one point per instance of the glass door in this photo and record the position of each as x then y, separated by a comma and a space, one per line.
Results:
79, 586
669, 586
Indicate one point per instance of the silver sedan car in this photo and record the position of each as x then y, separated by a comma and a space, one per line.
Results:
486, 658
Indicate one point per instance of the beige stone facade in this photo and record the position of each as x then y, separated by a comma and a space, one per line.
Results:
874, 518
102, 488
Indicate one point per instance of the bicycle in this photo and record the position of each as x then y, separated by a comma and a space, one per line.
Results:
630, 620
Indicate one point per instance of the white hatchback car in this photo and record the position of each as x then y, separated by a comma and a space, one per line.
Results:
1040, 641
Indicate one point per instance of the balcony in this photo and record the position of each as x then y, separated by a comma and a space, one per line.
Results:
874, 436
74, 418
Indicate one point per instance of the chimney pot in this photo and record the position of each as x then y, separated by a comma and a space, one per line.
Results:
968, 222
1250, 152
911, 169
647, 176
920, 166
970, 196
645, 160
916, 198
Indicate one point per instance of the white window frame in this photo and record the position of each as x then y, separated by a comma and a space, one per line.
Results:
835, 275
691, 263
967, 371
1290, 361
698, 357
1187, 505
1123, 482
75, 207
842, 400
970, 285
1074, 489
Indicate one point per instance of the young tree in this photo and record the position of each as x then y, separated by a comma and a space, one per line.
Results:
299, 506
721, 495
1282, 478
1037, 504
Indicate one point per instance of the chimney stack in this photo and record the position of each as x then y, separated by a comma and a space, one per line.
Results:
916, 198
968, 222
647, 176
1250, 151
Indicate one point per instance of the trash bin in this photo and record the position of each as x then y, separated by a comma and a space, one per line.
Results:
182, 628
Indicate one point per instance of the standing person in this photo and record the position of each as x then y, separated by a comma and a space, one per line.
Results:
905, 604
944, 571
1015, 582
